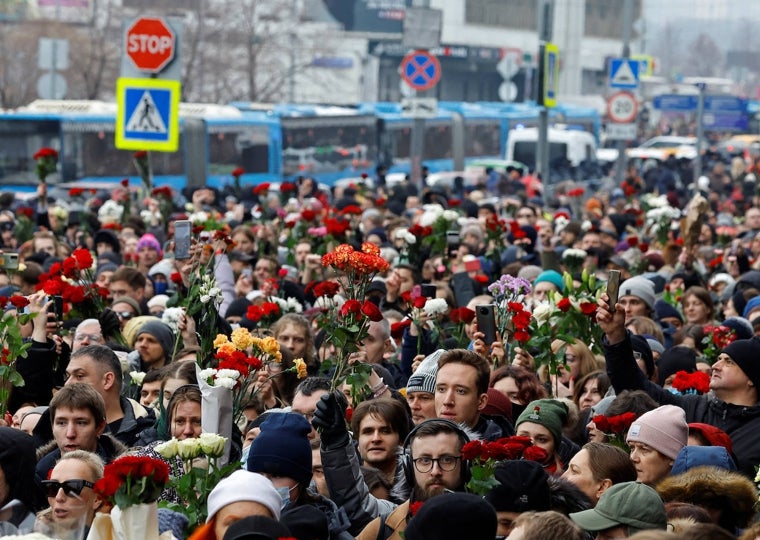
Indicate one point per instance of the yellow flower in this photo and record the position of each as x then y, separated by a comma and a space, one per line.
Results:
227, 348
242, 338
220, 340
271, 346
300, 366
402, 391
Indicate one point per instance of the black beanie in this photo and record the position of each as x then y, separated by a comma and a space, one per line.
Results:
746, 353
453, 516
282, 448
523, 486
237, 308
675, 359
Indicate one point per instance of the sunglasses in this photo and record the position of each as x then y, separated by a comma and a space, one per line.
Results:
69, 487
125, 315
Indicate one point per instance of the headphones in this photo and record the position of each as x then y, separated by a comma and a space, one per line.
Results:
407, 465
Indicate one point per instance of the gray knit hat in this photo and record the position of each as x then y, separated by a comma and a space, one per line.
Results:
639, 287
423, 380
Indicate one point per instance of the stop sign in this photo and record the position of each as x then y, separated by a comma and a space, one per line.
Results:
150, 44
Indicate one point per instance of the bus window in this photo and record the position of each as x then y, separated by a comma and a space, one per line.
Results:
437, 142
319, 148
482, 139
19, 141
238, 146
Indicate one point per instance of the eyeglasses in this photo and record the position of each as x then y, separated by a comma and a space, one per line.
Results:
69, 487
569, 358
445, 463
6, 226
125, 315
91, 337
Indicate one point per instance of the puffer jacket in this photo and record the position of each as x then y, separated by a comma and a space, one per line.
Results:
740, 422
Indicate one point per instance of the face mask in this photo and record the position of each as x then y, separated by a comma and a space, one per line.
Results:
244, 458
284, 492
161, 287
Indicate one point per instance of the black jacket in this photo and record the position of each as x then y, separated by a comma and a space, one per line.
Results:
741, 423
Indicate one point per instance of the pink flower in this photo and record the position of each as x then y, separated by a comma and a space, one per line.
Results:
317, 231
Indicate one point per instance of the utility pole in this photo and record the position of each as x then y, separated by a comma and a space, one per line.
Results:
545, 23
627, 24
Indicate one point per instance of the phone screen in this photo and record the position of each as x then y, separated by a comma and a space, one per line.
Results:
182, 233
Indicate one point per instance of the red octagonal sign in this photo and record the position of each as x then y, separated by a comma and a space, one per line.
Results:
150, 44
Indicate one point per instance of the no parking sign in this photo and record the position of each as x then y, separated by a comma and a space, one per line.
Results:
421, 70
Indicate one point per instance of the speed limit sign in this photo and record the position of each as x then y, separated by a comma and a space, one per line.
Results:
622, 107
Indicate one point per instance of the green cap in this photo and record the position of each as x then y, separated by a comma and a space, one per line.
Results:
629, 503
550, 413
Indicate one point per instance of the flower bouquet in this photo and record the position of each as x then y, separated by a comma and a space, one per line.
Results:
716, 339
348, 325
14, 346
425, 314
485, 456
460, 317
512, 319
132, 485
615, 428
697, 383
202, 471
46, 159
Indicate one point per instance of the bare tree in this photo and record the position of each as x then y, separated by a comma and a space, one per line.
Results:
705, 58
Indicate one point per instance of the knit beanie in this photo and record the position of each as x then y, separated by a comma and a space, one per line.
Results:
148, 240
664, 310
550, 413
753, 303
523, 487
238, 307
739, 301
675, 359
746, 353
282, 448
452, 516
162, 333
640, 288
244, 486
551, 276
423, 380
664, 429
740, 326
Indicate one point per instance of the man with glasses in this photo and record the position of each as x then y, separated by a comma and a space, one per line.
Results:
431, 462
69, 491
78, 417
98, 366
88, 332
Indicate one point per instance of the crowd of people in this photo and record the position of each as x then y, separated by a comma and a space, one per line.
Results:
620, 447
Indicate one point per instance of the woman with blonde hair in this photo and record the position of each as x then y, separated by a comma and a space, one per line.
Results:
579, 361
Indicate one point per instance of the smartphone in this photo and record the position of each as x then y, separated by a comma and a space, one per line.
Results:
428, 291
452, 239
486, 317
182, 235
56, 308
9, 261
613, 287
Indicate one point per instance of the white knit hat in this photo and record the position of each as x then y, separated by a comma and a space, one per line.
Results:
244, 486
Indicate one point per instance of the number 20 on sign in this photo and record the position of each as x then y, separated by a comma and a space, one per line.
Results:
622, 107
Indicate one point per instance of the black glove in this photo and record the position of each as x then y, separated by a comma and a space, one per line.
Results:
110, 325
330, 420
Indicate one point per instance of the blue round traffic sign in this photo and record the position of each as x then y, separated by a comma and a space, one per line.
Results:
421, 70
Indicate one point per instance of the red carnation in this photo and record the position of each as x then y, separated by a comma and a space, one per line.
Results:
564, 305
76, 192
19, 301
350, 307
238, 172
125, 182
176, 277
261, 188
371, 311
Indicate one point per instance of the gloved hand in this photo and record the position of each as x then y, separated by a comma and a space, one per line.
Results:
330, 420
110, 325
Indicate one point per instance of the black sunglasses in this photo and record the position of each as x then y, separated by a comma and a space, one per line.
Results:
125, 315
69, 487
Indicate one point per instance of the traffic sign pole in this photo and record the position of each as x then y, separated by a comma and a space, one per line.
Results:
627, 24
700, 131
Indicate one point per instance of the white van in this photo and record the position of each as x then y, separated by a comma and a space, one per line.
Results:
574, 145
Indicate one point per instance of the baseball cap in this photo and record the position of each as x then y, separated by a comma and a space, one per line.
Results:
629, 503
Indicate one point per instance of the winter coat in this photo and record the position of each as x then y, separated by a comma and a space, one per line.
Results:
493, 428
394, 525
740, 422
348, 489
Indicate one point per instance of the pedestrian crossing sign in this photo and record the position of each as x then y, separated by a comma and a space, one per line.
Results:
624, 73
147, 116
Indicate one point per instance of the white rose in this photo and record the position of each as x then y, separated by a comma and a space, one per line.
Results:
409, 238
188, 448
137, 377
167, 449
225, 382
450, 215
212, 444
205, 299
401, 233
436, 306
542, 312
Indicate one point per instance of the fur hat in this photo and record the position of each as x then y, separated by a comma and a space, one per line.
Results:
244, 486
746, 353
664, 429
550, 413
282, 447
710, 487
640, 288
423, 380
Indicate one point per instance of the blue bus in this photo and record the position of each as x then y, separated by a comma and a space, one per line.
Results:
270, 142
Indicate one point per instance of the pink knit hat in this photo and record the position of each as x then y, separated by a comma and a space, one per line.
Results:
664, 429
